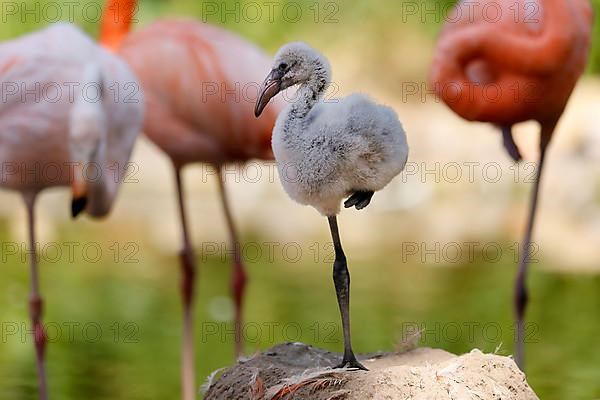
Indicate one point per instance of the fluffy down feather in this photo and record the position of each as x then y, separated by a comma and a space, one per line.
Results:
328, 149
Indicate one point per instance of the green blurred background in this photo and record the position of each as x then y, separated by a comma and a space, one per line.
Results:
123, 305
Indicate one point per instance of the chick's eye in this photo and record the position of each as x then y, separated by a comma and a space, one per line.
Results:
283, 66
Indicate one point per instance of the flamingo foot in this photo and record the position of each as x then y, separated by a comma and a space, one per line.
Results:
359, 200
351, 362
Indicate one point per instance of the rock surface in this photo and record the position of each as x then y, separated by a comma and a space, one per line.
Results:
298, 371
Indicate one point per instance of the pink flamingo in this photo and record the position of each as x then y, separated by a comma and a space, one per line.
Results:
531, 54
64, 122
200, 84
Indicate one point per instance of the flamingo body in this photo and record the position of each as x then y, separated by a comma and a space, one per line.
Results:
201, 104
35, 131
53, 128
200, 84
521, 67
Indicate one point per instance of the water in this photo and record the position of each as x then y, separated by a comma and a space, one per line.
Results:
115, 327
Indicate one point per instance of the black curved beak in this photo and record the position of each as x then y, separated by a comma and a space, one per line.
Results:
269, 89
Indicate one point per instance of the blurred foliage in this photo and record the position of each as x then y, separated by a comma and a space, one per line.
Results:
324, 22
130, 348
354, 32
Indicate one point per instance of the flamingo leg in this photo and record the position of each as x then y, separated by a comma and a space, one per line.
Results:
188, 283
36, 302
239, 276
521, 293
341, 280
509, 143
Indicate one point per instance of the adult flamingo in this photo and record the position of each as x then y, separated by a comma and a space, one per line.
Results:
200, 109
531, 55
63, 123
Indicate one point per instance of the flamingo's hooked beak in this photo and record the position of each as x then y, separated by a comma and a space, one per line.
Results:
270, 87
78, 190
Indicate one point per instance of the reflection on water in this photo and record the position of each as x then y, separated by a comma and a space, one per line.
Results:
114, 327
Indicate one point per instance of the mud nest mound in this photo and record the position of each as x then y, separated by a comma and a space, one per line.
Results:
299, 371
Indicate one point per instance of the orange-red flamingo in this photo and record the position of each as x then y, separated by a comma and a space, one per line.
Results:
506, 67
63, 122
200, 84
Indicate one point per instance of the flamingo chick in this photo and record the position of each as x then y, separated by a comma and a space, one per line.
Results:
69, 125
327, 151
